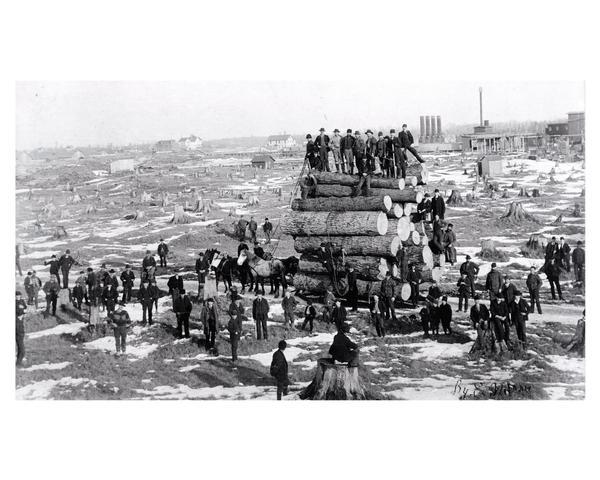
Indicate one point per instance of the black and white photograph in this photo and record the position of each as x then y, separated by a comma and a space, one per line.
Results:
266, 238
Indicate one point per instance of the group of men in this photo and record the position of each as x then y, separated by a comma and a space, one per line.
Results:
384, 155
251, 227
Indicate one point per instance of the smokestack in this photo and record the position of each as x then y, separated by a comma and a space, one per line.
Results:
480, 107
422, 131
439, 125
428, 127
433, 127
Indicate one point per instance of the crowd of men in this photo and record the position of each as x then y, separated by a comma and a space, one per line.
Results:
363, 155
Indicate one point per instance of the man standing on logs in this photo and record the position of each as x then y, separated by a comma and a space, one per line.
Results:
399, 157
381, 153
364, 165
471, 270
534, 283
352, 294
389, 154
322, 144
493, 282
388, 295
359, 149
335, 143
311, 151
347, 149
438, 206
162, 251
578, 257
407, 141
330, 256
279, 369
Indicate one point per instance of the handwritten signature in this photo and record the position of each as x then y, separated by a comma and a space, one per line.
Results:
491, 391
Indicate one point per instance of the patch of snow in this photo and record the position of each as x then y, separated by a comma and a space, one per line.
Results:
47, 366
183, 392
43, 389
65, 328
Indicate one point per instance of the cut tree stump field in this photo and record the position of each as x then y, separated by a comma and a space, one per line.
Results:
516, 214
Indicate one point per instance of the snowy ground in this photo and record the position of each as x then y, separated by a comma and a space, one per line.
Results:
65, 361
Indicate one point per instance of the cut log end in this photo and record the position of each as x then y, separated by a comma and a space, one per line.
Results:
387, 202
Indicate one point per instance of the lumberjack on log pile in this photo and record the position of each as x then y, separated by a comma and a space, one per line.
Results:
359, 233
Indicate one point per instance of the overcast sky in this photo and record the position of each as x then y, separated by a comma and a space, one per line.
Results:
83, 113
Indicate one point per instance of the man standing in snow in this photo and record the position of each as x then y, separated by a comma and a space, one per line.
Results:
65, 262
54, 267
202, 267
471, 270
51, 288
252, 227
127, 278
438, 206
121, 322
534, 283
145, 298
182, 306
519, 312
148, 262
234, 326
267, 228
21, 307
260, 312
288, 304
493, 282
209, 317
279, 370
578, 257
163, 251
564, 254
553, 274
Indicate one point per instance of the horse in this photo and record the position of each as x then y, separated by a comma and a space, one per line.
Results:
220, 265
260, 269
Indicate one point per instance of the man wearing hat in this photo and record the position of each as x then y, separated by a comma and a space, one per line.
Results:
479, 312
380, 150
471, 270
424, 209
79, 290
260, 314
54, 267
322, 144
493, 282
234, 326
209, 317
127, 279
145, 298
347, 149
438, 206
175, 284
279, 369
311, 151
534, 283
121, 322
335, 145
407, 140
112, 288
339, 315
182, 306
267, 228
445, 314
388, 295
51, 288
90, 281
65, 262
352, 295
389, 154
578, 258
399, 157
508, 290
359, 149
148, 262
449, 240
21, 307
202, 268
552, 250
162, 251
519, 312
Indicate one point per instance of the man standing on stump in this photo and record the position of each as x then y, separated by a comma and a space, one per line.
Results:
65, 262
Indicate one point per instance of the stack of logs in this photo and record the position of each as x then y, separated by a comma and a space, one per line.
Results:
370, 229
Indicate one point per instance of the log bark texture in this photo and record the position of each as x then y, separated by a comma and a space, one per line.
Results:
335, 223
332, 178
385, 245
418, 170
367, 268
318, 284
397, 211
321, 204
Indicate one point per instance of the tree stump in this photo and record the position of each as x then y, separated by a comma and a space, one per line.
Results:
577, 343
505, 193
558, 221
516, 214
582, 192
576, 210
179, 216
536, 193
514, 185
146, 197
537, 242
59, 232
455, 198
484, 344
335, 382
90, 209
488, 246
523, 192
552, 180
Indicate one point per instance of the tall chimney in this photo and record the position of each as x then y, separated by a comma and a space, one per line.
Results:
433, 128
428, 128
422, 131
439, 125
480, 107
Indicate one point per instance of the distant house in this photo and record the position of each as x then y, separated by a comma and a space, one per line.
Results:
190, 143
557, 128
281, 141
492, 165
123, 165
263, 161
164, 145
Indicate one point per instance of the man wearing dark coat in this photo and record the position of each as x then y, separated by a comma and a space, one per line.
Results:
260, 314
352, 294
425, 314
339, 315
175, 283
519, 312
234, 326
377, 307
127, 279
552, 250
553, 274
209, 317
479, 312
578, 257
347, 149
144, 296
268, 229
402, 262
344, 350
120, 321
424, 209
311, 151
508, 290
534, 283
399, 157
438, 206
472, 270
448, 241
436, 244
493, 282
414, 279
407, 141
65, 262
112, 288
163, 251
390, 166
51, 288
20, 308
388, 295
500, 319
279, 369
358, 149
380, 152
310, 313
445, 314
202, 268
54, 267
259, 251
148, 261
464, 291
322, 144
564, 254
182, 306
